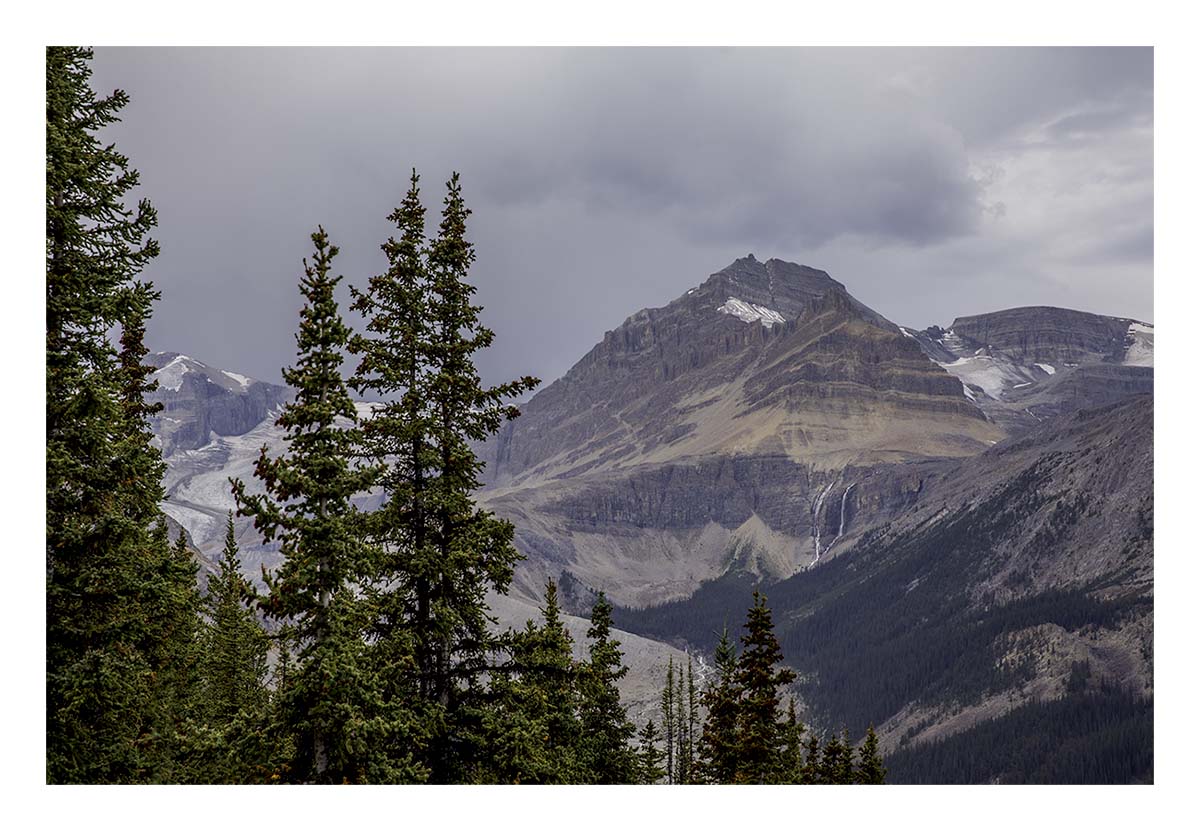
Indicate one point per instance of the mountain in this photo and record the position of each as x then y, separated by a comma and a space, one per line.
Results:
1022, 366
761, 359
200, 401
735, 428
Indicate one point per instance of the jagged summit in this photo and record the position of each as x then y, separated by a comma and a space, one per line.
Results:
773, 292
760, 356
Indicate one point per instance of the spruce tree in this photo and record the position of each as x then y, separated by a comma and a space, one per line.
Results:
793, 748
693, 722
760, 733
606, 755
333, 711
681, 749
235, 646
812, 761
111, 583
178, 682
531, 730
650, 757
719, 733
556, 674
830, 767
845, 765
441, 554
870, 769
667, 704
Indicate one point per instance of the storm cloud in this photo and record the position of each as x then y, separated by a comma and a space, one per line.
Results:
932, 182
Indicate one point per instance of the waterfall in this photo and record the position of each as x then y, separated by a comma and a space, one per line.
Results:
817, 523
842, 521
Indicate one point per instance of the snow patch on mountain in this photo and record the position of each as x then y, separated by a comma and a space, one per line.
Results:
750, 312
1139, 345
1046, 368
992, 375
241, 379
171, 376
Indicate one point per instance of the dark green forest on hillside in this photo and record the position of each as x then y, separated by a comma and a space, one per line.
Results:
1096, 737
891, 622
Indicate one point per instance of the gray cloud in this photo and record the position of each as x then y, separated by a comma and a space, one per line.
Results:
933, 182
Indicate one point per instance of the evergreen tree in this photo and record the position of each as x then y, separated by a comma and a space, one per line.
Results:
531, 730
845, 764
719, 736
830, 767
606, 755
870, 769
759, 731
693, 722
235, 646
178, 684
812, 761
793, 748
556, 675
442, 554
333, 710
111, 583
667, 703
650, 757
681, 750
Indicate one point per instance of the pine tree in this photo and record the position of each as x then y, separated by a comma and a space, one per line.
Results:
111, 583
759, 730
650, 757
333, 711
442, 554
870, 769
606, 755
719, 738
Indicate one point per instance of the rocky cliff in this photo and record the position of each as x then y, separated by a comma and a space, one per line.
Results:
200, 402
1022, 366
742, 427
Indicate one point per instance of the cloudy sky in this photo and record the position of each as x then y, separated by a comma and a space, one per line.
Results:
931, 182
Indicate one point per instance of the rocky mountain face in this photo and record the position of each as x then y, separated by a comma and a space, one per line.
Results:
1022, 366
741, 427
200, 402
761, 358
